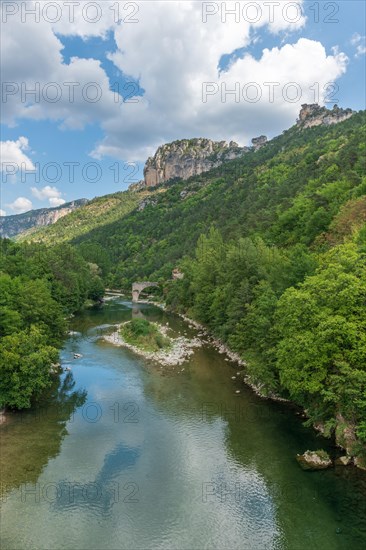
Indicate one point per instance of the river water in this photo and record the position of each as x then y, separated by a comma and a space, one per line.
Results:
123, 454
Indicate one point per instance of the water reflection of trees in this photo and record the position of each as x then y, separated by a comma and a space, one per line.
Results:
263, 437
29, 439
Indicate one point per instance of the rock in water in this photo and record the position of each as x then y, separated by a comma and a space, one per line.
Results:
314, 460
343, 461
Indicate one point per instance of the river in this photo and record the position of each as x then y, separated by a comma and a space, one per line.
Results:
123, 454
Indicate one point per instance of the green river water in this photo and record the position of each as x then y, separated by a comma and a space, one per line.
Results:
123, 454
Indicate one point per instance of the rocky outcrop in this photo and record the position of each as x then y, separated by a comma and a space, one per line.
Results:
188, 157
185, 158
314, 460
314, 115
177, 274
10, 226
149, 201
139, 186
258, 142
343, 461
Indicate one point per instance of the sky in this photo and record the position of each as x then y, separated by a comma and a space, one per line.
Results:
91, 89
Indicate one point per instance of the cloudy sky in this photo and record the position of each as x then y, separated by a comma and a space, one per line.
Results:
91, 89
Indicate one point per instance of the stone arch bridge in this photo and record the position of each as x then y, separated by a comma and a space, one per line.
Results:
139, 287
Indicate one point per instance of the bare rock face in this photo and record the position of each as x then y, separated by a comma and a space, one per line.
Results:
10, 226
343, 461
177, 274
185, 158
137, 186
314, 460
258, 142
314, 115
188, 157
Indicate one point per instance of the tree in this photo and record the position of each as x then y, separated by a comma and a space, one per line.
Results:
25, 360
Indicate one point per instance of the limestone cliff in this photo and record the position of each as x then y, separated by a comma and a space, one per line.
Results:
10, 226
188, 157
314, 115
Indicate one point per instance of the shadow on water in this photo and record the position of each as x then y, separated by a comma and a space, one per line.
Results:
103, 492
30, 438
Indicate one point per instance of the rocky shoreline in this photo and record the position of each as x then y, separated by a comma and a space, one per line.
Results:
180, 350
341, 442
222, 348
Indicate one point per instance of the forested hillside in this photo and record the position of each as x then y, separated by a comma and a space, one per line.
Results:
11, 226
96, 213
273, 251
304, 188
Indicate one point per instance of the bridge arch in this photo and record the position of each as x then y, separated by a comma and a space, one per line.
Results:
139, 287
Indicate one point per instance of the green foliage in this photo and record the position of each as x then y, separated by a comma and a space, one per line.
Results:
98, 212
140, 327
25, 360
272, 247
144, 335
322, 335
288, 193
39, 287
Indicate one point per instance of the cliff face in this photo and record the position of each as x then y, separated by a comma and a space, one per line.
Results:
10, 226
188, 157
314, 115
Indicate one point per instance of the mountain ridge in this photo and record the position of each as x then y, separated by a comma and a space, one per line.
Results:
13, 225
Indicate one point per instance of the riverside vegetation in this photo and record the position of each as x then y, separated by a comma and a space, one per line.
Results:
144, 335
39, 288
273, 251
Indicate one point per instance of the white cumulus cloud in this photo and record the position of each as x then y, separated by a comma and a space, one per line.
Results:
173, 51
46, 192
20, 205
12, 153
360, 44
54, 201
2, 212
52, 194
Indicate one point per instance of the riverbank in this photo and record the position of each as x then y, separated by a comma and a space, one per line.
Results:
180, 349
344, 436
121, 425
222, 348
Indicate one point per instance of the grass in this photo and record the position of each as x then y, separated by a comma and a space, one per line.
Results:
144, 335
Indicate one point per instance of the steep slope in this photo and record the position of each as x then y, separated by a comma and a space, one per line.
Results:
185, 158
289, 191
10, 226
96, 213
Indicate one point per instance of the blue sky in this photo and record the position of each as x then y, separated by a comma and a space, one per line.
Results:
164, 72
